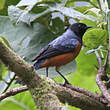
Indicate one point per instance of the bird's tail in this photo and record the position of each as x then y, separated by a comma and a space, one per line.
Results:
38, 63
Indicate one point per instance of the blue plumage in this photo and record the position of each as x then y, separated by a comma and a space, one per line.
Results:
66, 42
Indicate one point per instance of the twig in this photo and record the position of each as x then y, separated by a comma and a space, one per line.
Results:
99, 78
106, 62
5, 81
99, 60
13, 92
9, 83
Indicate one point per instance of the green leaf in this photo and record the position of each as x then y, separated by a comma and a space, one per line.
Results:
3, 11
27, 3
94, 2
108, 3
14, 34
82, 9
3, 70
80, 0
70, 12
96, 11
27, 16
95, 37
22, 15
16, 15
88, 22
5, 41
57, 25
2, 4
11, 103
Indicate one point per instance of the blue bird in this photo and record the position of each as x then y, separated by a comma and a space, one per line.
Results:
62, 50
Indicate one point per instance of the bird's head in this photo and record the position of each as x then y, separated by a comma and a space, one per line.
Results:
79, 29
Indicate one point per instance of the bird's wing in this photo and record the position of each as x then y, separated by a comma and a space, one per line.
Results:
40, 53
55, 49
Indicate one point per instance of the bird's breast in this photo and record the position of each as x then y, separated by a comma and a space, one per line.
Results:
62, 59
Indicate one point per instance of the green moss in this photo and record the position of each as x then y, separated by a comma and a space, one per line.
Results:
43, 95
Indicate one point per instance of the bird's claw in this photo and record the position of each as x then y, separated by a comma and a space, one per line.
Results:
66, 82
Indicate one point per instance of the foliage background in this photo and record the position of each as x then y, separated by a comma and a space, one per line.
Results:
20, 25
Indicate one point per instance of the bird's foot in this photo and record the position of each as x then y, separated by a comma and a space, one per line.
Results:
19, 82
66, 83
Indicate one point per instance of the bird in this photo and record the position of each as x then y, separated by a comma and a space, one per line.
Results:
61, 50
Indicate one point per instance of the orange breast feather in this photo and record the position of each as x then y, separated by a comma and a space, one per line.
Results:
62, 59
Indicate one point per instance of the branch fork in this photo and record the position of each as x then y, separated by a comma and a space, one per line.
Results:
102, 80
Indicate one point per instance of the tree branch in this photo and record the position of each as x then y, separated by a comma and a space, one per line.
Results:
13, 92
79, 100
47, 94
69, 95
97, 97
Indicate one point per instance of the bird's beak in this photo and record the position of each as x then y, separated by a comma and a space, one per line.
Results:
88, 27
